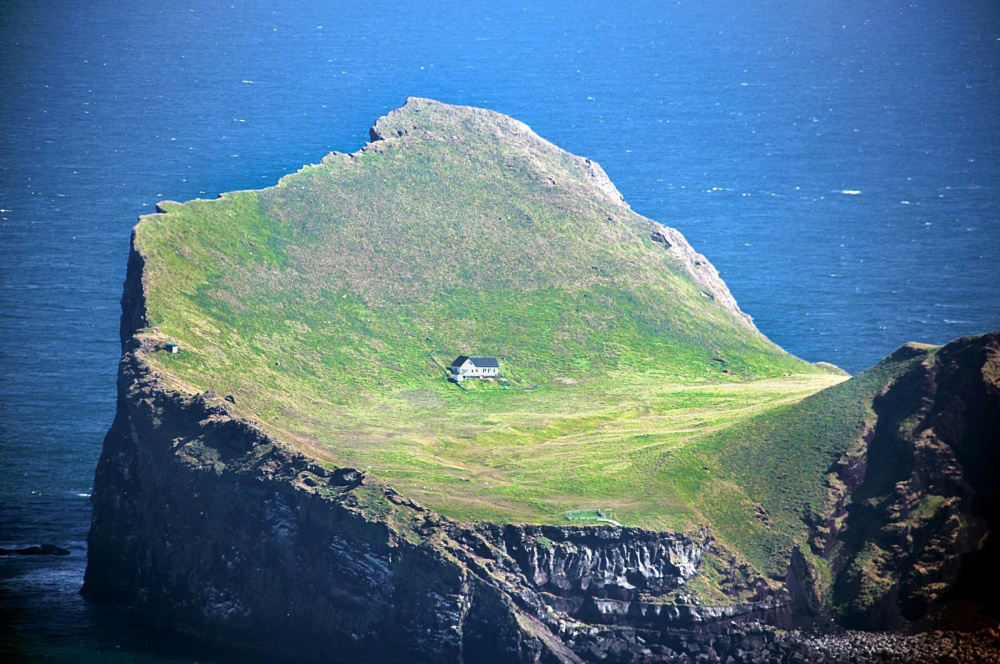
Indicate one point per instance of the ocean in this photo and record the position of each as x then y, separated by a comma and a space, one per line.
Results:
839, 162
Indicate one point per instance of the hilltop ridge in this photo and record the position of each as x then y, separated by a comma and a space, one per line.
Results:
403, 122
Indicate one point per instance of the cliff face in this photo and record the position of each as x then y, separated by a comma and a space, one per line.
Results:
204, 523
919, 502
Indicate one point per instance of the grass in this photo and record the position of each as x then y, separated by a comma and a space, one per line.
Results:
327, 305
781, 459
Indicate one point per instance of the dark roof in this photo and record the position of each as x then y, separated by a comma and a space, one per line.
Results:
482, 362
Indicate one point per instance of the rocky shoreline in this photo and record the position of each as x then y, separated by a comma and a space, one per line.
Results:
759, 644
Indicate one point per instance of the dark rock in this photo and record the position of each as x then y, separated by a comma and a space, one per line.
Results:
918, 499
42, 550
657, 235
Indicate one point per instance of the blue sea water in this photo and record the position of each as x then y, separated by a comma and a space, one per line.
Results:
839, 162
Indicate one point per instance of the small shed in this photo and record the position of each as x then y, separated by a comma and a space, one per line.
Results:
474, 367
173, 349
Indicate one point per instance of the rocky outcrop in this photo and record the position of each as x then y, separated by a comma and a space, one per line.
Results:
607, 561
701, 270
626, 576
915, 502
38, 550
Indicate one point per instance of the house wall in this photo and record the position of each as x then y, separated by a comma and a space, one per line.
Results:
468, 370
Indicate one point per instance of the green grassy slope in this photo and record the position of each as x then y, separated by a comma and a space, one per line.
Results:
782, 458
325, 305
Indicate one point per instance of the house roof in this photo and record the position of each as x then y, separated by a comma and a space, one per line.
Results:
482, 362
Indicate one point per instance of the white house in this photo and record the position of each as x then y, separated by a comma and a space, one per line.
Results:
474, 367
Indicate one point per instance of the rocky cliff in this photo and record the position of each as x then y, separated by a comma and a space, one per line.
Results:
919, 501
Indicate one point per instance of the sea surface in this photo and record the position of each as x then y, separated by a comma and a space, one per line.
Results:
839, 162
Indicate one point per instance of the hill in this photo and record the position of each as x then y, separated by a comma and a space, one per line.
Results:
328, 304
881, 485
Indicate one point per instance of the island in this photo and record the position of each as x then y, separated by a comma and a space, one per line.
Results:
642, 475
